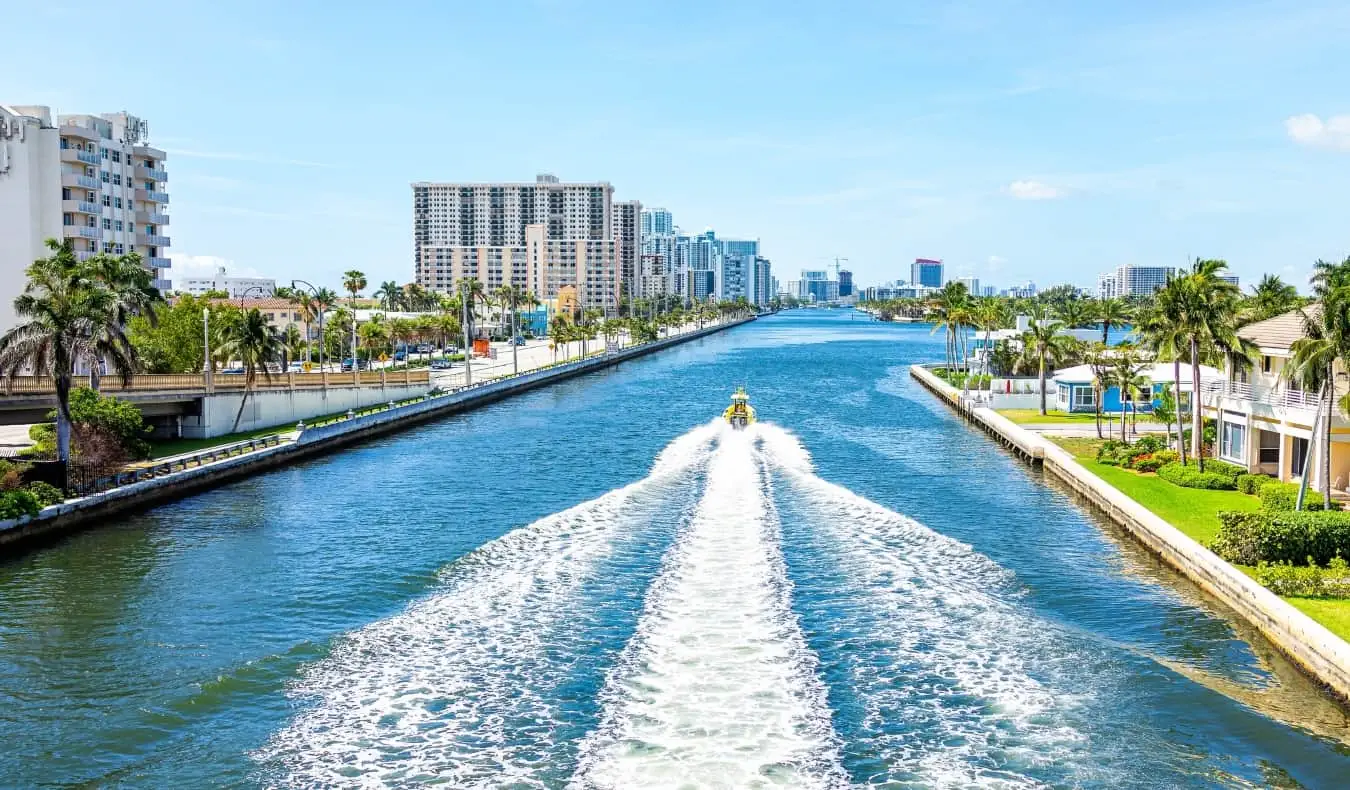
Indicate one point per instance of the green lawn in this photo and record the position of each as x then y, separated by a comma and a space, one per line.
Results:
1034, 416
1192, 510
1195, 513
163, 448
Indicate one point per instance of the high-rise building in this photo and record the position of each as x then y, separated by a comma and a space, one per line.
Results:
90, 180
236, 287
702, 284
972, 284
764, 288
816, 286
628, 244
1130, 280
845, 283
497, 214
657, 222
926, 272
737, 268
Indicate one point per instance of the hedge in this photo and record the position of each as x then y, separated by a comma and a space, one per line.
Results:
1281, 497
1283, 578
1252, 484
1293, 537
1190, 477
1232, 471
17, 502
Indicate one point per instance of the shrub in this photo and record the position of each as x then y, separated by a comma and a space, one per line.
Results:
1284, 578
1251, 538
46, 494
16, 503
1278, 497
1149, 444
105, 431
1190, 477
11, 475
1252, 484
1224, 468
1167, 456
1147, 463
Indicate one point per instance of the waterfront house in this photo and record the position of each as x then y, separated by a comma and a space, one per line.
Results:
1265, 423
1073, 388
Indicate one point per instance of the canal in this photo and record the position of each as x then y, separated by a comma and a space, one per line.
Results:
593, 585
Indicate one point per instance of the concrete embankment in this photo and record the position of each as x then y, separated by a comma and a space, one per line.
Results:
1322, 654
17, 535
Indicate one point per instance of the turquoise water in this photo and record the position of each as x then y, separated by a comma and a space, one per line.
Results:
593, 585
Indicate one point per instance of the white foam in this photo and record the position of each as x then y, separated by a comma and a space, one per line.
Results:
717, 687
954, 701
455, 688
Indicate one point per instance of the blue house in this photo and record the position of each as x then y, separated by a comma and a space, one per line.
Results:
1073, 388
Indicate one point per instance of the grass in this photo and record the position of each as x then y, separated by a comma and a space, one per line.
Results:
1034, 417
162, 448
1195, 512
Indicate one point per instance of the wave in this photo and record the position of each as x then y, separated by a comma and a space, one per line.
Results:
717, 687
470, 685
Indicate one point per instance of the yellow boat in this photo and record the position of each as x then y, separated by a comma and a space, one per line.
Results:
740, 413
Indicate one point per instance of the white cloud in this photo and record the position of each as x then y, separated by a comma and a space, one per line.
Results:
185, 265
1033, 190
1309, 129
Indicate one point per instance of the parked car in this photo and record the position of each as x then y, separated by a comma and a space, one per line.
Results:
400, 355
518, 340
360, 365
440, 364
295, 367
233, 371
425, 348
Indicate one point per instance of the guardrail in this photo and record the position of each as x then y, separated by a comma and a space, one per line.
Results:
1271, 396
196, 382
81, 481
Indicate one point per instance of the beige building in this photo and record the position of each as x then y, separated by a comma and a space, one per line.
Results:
1265, 422
540, 265
628, 245
90, 179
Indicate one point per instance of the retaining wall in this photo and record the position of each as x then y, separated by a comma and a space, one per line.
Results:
19, 534
266, 408
1322, 654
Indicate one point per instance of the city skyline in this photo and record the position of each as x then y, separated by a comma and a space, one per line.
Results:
1081, 135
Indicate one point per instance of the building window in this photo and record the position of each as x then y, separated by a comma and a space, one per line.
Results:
103, 152
107, 224
1265, 364
117, 179
117, 156
117, 202
1298, 454
1233, 442
118, 225
106, 176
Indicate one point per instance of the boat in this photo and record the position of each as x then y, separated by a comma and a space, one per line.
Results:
740, 413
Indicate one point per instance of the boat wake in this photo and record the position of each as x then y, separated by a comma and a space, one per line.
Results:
717, 687
731, 620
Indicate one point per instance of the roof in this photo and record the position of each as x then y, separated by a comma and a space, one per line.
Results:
270, 303
1159, 371
1282, 330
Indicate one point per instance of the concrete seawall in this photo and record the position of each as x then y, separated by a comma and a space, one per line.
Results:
17, 535
1320, 653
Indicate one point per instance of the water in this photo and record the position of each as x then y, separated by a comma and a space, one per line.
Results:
593, 585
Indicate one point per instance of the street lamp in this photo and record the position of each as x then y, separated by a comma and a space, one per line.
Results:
244, 294
315, 292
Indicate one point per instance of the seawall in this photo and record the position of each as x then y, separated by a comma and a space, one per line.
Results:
18, 535
1320, 653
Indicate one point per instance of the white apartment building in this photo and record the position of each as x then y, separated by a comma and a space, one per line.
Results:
654, 277
541, 265
972, 285
1131, 280
628, 243
657, 222
764, 287
236, 287
91, 180
497, 214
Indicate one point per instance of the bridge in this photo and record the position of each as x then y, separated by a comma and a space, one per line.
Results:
195, 404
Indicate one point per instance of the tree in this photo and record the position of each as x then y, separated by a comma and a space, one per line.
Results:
1165, 408
292, 342
374, 335
1099, 361
1164, 332
353, 282
1043, 342
390, 295
133, 287
248, 337
1114, 314
62, 307
950, 309
105, 432
1313, 357
1270, 297
1126, 374
1210, 316
1074, 313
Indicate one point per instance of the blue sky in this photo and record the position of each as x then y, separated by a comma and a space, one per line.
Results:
1042, 140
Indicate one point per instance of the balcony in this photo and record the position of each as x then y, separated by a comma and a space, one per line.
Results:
149, 152
81, 232
163, 285
71, 130
143, 172
83, 157
150, 196
77, 181
151, 218
158, 263
1278, 397
84, 255
151, 240
81, 207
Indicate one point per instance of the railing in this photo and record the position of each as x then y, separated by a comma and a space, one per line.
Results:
152, 196
151, 240
76, 180
158, 263
83, 481
196, 382
1282, 397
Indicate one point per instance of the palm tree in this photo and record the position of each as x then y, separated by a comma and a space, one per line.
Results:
293, 343
1270, 297
1114, 314
401, 330
949, 307
1074, 313
1126, 374
1164, 332
1100, 363
374, 336
1313, 357
1044, 343
390, 295
324, 300
133, 288
62, 305
1210, 316
353, 282
248, 337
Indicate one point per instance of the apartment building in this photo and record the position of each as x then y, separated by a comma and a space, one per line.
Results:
628, 244
845, 283
1265, 422
541, 265
765, 289
236, 287
654, 278
497, 214
91, 180
657, 222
